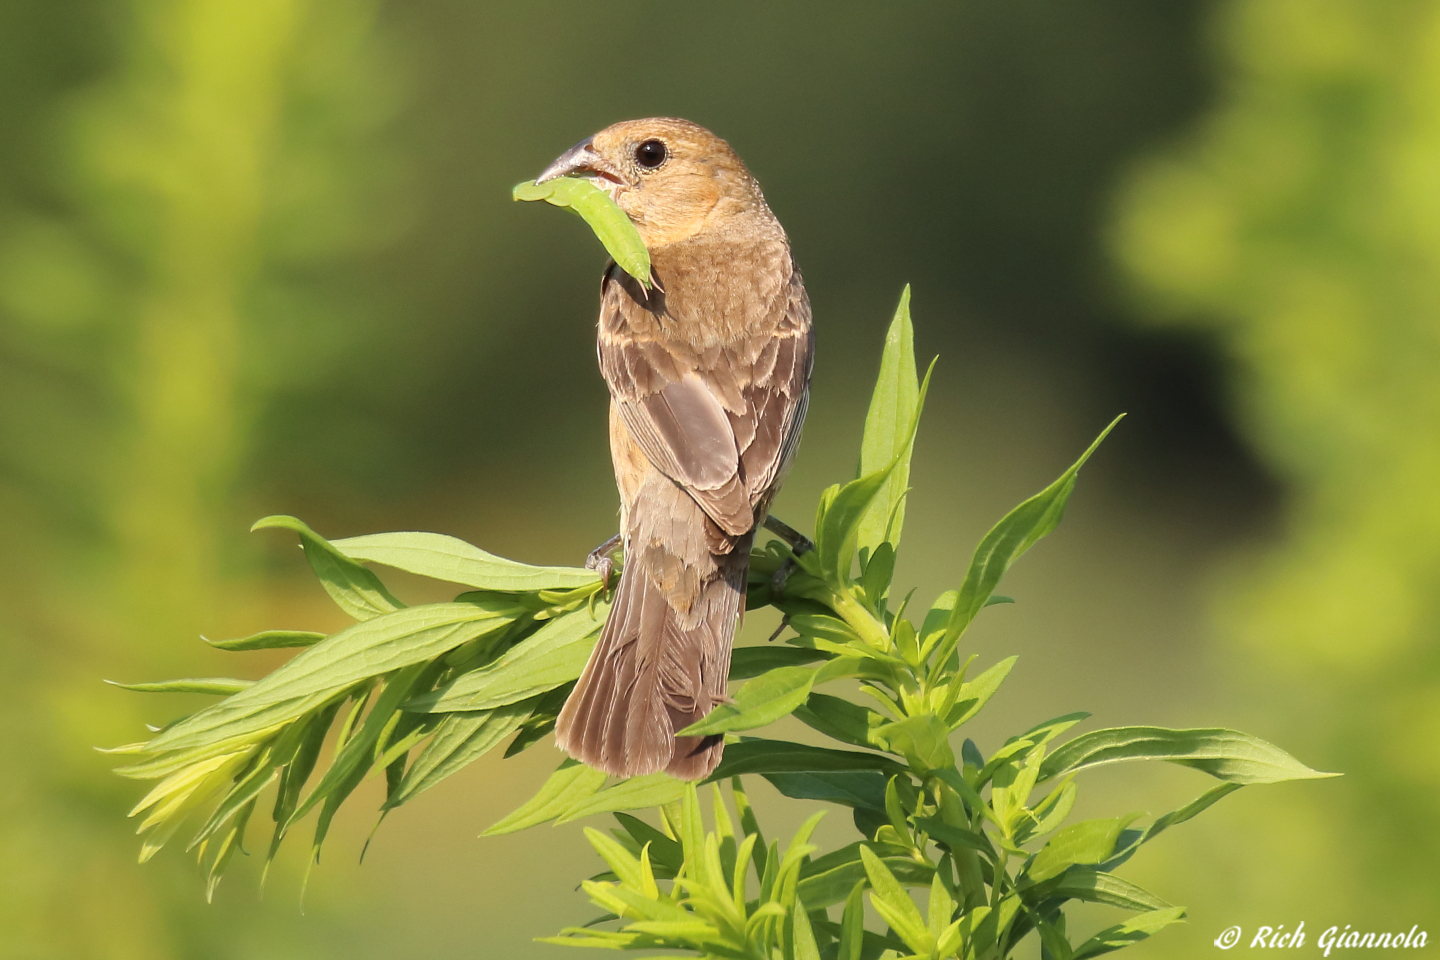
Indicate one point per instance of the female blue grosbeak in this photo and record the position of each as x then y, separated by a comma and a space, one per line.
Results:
709, 376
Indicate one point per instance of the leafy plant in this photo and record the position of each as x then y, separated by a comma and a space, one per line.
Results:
611, 226
419, 692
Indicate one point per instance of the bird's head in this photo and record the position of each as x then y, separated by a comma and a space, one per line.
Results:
673, 178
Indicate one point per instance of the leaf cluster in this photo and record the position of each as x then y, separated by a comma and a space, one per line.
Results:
421, 691
415, 692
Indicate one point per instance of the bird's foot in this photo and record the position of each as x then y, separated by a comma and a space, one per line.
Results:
602, 559
797, 541
798, 544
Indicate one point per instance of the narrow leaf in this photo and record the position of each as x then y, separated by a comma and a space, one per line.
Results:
894, 905
1006, 542
747, 662
460, 739
888, 434
224, 686
269, 640
445, 558
850, 788
354, 589
612, 227
761, 701
1224, 754
367, 649
841, 720
1130, 932
778, 756
633, 794
1095, 886
1089, 841
923, 740
572, 784
554, 654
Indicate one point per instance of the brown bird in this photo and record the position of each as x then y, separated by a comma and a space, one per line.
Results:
709, 377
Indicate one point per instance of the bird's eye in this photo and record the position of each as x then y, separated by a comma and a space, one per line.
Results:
650, 154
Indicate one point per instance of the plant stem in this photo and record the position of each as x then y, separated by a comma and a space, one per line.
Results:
861, 620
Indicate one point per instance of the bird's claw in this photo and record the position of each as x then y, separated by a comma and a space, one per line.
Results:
781, 577
602, 560
798, 544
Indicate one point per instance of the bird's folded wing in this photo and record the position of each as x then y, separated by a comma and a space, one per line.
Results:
768, 431
723, 425
684, 432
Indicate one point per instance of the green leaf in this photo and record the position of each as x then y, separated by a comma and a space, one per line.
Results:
367, 649
621, 862
1054, 944
829, 879
841, 720
889, 432
850, 788
802, 937
1132, 840
1193, 808
956, 838
820, 626
354, 588
653, 790
611, 225
837, 524
972, 696
459, 739
224, 686
305, 738
1050, 812
852, 925
923, 740
872, 946
354, 758
761, 701
1089, 841
1224, 754
779, 756
541, 720
747, 662
1043, 733
269, 640
445, 558
1095, 886
664, 851
894, 905
261, 774
1005, 544
1130, 932
567, 787
554, 654
878, 569
941, 907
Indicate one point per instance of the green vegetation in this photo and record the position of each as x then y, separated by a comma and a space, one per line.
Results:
418, 692
1297, 226
610, 224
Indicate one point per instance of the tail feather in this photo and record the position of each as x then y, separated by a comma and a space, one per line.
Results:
653, 671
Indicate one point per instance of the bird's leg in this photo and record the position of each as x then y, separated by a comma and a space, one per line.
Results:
602, 559
798, 543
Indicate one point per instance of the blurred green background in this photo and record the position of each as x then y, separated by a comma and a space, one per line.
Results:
259, 257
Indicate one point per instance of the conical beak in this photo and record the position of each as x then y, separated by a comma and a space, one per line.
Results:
580, 160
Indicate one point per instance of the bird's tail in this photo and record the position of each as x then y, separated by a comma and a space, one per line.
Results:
653, 671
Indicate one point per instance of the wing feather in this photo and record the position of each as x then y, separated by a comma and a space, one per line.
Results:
721, 421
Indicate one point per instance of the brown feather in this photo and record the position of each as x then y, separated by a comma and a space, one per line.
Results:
709, 377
